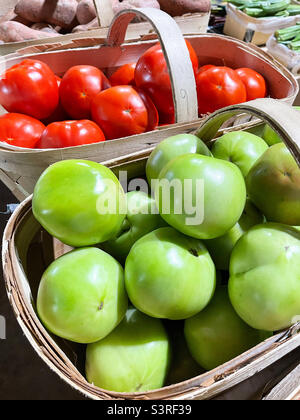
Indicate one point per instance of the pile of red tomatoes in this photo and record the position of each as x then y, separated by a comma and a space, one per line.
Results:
85, 106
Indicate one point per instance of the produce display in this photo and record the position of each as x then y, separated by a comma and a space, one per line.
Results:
134, 357
289, 37
271, 8
160, 295
98, 294
39, 19
218, 334
218, 87
87, 106
182, 7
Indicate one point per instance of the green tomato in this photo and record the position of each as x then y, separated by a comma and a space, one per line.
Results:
141, 219
169, 275
183, 366
274, 185
82, 296
207, 199
70, 198
170, 149
241, 148
217, 335
264, 283
270, 135
221, 248
135, 357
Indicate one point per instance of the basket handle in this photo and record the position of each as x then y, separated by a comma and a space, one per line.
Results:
104, 11
176, 54
281, 117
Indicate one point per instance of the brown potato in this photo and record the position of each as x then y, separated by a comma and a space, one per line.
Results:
57, 12
181, 7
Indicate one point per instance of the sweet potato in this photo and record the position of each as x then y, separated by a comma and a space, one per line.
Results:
86, 12
181, 7
44, 27
57, 12
12, 16
82, 28
15, 32
128, 4
118, 6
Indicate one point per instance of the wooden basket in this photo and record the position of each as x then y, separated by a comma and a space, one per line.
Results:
28, 250
250, 29
194, 23
297, 100
108, 53
20, 168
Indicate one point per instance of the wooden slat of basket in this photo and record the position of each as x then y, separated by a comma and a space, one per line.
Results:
281, 117
288, 388
34, 162
295, 396
104, 12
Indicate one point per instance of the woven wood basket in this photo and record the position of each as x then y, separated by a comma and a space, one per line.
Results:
195, 23
28, 250
250, 29
20, 168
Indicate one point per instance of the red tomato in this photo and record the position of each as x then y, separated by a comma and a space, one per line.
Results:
70, 133
20, 130
219, 87
152, 76
78, 88
120, 112
254, 82
153, 117
205, 68
124, 75
29, 88
59, 114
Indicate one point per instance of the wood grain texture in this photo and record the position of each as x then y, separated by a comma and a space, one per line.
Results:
238, 23
176, 54
105, 12
281, 117
288, 388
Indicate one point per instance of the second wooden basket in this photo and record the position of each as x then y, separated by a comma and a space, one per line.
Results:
20, 168
28, 250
